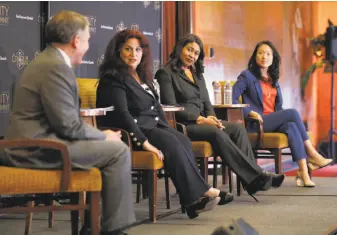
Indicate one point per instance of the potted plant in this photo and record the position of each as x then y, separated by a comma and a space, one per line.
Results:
318, 44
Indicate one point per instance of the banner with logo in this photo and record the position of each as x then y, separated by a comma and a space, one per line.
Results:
107, 18
20, 24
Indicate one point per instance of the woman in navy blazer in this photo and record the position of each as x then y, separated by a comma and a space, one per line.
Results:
182, 83
126, 83
258, 86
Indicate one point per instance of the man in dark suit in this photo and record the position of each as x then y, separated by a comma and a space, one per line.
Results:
46, 105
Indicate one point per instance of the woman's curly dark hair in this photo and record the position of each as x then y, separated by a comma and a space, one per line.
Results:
274, 68
112, 60
175, 61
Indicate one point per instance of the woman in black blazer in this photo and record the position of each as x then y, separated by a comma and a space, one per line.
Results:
126, 83
182, 83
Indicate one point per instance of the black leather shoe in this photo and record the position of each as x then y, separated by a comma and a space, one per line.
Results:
262, 183
225, 198
277, 179
206, 204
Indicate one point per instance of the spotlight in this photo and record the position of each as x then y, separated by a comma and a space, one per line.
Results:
239, 227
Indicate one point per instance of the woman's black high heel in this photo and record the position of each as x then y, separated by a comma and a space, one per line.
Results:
206, 204
225, 198
277, 179
262, 183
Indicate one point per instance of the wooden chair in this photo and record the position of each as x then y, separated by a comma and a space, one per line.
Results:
144, 163
269, 145
28, 185
203, 152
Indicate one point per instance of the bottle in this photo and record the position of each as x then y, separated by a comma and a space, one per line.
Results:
227, 93
217, 92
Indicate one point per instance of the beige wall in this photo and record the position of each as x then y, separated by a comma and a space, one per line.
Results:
234, 28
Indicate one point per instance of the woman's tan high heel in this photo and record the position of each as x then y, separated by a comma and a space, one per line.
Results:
314, 165
301, 183
298, 179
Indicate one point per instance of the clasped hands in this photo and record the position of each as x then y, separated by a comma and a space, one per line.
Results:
116, 136
211, 120
149, 147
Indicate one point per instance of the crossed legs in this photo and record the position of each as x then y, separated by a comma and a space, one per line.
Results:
288, 121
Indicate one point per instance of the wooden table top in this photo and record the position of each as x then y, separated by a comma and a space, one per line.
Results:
171, 108
231, 105
90, 113
95, 111
102, 111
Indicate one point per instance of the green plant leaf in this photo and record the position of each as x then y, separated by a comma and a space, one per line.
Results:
305, 78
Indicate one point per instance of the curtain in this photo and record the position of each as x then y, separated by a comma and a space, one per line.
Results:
169, 28
183, 18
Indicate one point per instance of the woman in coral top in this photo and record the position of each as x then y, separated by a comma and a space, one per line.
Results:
258, 86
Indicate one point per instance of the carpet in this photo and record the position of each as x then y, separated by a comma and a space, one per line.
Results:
290, 168
269, 164
329, 171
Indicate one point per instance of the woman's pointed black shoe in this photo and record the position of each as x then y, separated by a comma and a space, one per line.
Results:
206, 204
277, 179
262, 183
225, 198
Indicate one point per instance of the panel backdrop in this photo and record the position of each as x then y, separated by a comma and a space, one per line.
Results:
20, 41
19, 44
107, 18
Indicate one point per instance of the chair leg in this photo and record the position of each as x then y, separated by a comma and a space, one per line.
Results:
29, 218
152, 192
215, 175
95, 199
82, 201
230, 180
203, 162
139, 177
167, 191
278, 160
74, 214
224, 170
145, 185
51, 214
238, 186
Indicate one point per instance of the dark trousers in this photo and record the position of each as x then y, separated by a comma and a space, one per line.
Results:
180, 162
289, 122
231, 144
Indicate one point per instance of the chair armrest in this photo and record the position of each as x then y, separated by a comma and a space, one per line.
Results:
49, 144
260, 132
125, 135
181, 128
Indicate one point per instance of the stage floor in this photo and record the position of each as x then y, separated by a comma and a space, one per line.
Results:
287, 210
